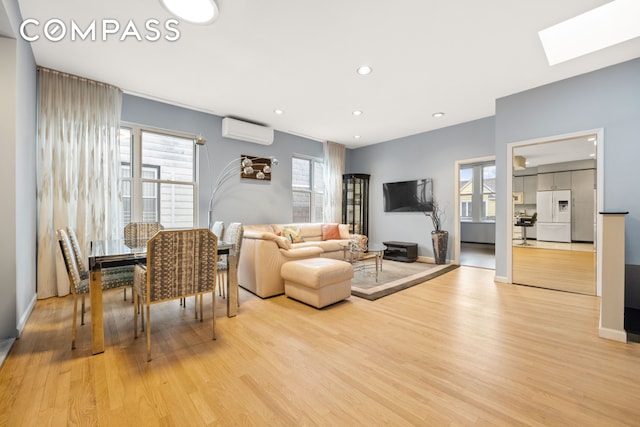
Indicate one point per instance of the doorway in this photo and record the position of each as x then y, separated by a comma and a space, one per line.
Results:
554, 183
475, 212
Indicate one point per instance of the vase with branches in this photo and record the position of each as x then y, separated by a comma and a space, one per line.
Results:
439, 237
436, 215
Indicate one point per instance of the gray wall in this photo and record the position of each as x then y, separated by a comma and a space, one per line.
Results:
17, 176
426, 155
248, 201
477, 232
607, 98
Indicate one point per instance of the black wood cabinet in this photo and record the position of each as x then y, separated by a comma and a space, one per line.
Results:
355, 202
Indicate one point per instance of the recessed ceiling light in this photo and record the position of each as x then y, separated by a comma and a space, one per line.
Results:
439, 114
363, 70
607, 25
356, 137
357, 112
278, 111
196, 11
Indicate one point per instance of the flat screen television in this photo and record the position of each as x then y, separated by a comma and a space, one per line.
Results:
408, 196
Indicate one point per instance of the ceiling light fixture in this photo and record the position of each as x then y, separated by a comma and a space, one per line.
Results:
439, 114
278, 111
356, 137
599, 28
357, 112
363, 70
519, 162
196, 11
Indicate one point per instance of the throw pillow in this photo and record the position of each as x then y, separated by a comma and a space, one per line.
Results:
344, 231
293, 233
330, 231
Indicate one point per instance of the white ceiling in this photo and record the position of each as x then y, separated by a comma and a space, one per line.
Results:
301, 56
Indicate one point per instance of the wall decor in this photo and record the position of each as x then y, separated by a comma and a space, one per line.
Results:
252, 167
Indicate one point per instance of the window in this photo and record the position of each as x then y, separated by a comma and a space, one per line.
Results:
489, 192
307, 184
466, 194
158, 177
478, 192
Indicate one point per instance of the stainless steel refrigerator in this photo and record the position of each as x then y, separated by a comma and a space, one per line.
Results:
554, 216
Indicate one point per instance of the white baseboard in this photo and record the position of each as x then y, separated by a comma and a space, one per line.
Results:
426, 259
25, 316
500, 279
612, 334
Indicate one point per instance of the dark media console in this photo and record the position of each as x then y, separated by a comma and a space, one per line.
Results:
401, 251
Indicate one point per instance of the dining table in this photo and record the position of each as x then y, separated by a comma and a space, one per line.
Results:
115, 253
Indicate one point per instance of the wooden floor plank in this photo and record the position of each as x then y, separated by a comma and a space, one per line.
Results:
457, 350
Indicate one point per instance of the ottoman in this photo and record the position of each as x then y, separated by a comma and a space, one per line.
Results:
318, 282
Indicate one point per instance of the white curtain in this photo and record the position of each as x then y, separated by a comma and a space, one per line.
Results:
334, 158
78, 169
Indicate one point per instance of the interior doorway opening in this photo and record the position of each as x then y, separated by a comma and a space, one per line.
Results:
475, 212
554, 187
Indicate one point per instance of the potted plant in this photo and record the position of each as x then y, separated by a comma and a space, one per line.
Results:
439, 237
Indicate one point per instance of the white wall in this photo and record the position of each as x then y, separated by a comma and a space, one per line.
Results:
8, 188
17, 176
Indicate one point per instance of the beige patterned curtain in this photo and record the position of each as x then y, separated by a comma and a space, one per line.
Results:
78, 169
334, 158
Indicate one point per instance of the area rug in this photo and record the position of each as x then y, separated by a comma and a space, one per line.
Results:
395, 276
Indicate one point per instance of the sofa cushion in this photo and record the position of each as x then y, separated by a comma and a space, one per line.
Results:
293, 233
330, 231
326, 245
311, 231
344, 231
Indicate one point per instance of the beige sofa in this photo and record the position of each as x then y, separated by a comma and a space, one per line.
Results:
265, 250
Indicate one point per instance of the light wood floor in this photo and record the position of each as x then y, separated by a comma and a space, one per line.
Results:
458, 350
564, 270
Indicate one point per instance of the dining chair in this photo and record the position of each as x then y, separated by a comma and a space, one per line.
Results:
218, 229
135, 231
112, 277
79, 286
138, 233
180, 263
232, 234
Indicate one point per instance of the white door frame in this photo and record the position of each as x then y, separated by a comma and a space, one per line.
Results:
599, 195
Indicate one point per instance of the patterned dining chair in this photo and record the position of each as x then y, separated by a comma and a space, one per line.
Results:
180, 263
112, 277
136, 234
136, 231
232, 234
79, 286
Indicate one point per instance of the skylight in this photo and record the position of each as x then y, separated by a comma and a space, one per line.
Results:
602, 27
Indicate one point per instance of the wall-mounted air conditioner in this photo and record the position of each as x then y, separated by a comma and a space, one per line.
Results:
244, 131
